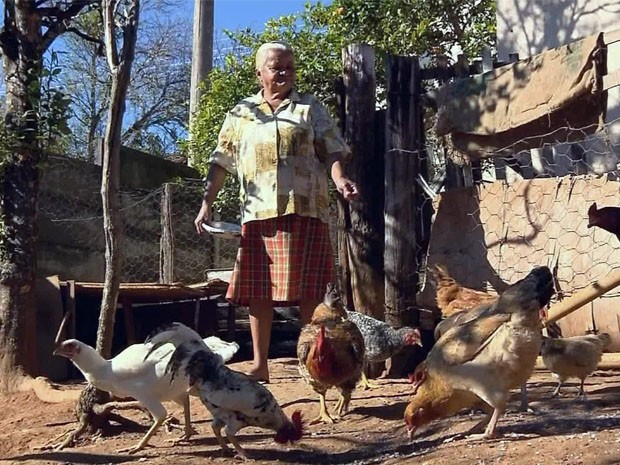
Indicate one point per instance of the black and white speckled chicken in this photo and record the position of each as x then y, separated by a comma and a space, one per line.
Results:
381, 341
234, 399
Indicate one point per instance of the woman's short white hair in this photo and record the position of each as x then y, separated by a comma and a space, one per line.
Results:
263, 51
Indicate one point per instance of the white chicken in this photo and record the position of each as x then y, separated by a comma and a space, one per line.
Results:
132, 374
233, 398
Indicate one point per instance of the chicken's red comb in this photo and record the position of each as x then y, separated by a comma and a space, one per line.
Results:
291, 432
418, 376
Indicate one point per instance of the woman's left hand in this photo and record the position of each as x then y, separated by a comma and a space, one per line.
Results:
347, 188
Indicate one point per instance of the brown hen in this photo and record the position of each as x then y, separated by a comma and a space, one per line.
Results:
331, 354
483, 358
453, 298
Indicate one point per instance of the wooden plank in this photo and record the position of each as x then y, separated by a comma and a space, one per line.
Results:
69, 305
611, 80
231, 325
611, 36
343, 223
403, 142
130, 328
365, 236
404, 158
197, 315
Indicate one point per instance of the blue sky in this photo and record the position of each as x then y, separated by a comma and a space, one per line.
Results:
239, 14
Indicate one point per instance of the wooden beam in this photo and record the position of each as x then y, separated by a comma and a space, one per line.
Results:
584, 296
166, 242
365, 234
403, 142
404, 158
130, 328
611, 80
611, 36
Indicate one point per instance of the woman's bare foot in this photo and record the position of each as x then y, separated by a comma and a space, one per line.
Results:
260, 374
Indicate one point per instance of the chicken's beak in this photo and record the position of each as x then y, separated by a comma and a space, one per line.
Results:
419, 342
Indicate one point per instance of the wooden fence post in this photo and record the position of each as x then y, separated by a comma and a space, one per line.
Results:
166, 242
343, 222
365, 235
404, 143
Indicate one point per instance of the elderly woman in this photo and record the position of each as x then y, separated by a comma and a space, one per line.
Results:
280, 144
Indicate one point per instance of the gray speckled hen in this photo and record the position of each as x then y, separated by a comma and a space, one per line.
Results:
381, 340
233, 398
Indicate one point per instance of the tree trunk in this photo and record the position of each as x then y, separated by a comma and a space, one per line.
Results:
120, 68
365, 235
19, 182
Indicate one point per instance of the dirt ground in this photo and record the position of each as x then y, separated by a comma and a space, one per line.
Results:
560, 431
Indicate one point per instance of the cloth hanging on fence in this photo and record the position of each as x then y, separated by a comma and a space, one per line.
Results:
556, 96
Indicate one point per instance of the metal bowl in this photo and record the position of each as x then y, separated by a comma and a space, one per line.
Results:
222, 229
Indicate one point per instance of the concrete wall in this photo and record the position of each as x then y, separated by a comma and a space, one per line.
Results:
71, 243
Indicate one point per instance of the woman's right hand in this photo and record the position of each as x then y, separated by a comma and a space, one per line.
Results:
203, 216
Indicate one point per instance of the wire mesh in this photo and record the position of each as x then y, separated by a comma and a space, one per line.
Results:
71, 240
528, 208
498, 217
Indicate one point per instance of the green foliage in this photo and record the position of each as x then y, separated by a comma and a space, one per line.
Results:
418, 27
317, 34
52, 107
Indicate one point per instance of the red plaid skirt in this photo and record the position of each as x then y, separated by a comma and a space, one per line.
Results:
286, 259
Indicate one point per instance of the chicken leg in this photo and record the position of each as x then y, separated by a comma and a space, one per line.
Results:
581, 395
217, 426
230, 435
158, 412
557, 389
342, 406
324, 416
188, 430
496, 400
367, 384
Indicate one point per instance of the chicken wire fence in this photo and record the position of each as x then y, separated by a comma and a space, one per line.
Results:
496, 219
159, 229
528, 208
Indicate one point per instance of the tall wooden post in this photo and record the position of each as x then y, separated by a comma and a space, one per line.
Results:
365, 235
166, 242
343, 223
404, 147
202, 54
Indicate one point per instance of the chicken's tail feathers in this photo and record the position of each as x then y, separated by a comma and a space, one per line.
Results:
292, 431
192, 358
440, 275
174, 333
224, 349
